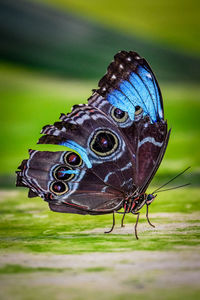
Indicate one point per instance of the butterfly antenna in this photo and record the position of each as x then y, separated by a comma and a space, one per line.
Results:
171, 180
174, 188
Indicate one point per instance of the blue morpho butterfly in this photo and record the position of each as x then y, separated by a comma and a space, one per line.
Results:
117, 142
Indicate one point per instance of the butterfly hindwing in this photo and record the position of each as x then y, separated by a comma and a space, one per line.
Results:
62, 179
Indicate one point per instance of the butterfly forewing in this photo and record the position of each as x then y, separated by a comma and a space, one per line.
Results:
100, 143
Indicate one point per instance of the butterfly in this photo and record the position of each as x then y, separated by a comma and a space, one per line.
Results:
117, 142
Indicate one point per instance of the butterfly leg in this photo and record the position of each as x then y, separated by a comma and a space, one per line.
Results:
125, 211
113, 225
147, 216
122, 221
136, 223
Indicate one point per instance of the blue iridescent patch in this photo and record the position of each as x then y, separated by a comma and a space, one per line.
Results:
82, 151
70, 171
140, 90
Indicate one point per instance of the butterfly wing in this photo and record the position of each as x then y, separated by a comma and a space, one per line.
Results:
63, 180
129, 83
98, 141
120, 136
130, 95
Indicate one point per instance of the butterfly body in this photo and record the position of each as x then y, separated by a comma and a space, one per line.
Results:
117, 142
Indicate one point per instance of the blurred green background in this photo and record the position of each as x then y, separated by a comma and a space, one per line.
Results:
52, 54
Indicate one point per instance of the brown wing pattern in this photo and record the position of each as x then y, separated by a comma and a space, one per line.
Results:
80, 191
118, 141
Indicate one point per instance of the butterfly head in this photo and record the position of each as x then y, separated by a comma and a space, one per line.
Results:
149, 198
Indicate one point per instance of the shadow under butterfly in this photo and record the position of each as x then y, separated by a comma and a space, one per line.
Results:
119, 139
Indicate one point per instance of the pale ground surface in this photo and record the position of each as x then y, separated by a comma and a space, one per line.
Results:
118, 275
128, 272
114, 274
176, 221
5, 193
